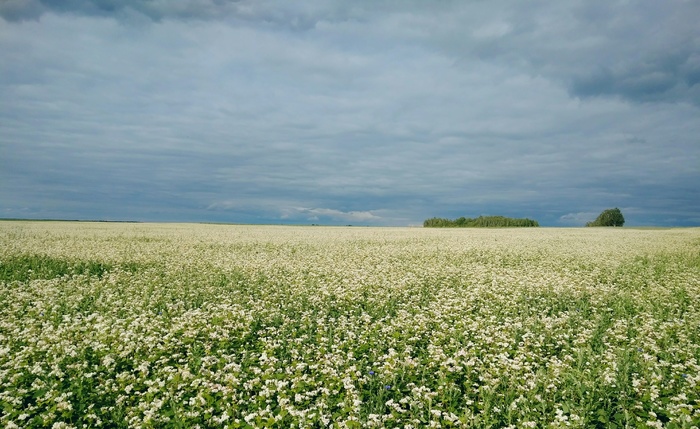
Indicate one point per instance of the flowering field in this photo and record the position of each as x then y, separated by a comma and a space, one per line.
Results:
182, 325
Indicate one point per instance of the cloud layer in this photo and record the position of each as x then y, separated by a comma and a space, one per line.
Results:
362, 112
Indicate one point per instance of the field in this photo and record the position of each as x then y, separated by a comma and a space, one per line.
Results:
183, 326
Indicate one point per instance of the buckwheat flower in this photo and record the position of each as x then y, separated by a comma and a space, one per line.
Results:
62, 425
63, 405
224, 417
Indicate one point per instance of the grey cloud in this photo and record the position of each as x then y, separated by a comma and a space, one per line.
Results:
639, 51
352, 113
292, 15
591, 48
21, 10
664, 78
153, 9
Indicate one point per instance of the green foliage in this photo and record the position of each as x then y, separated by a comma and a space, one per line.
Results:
480, 222
26, 267
609, 217
29, 267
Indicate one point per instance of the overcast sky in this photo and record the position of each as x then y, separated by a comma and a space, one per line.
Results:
350, 112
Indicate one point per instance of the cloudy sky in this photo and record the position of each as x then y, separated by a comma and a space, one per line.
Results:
350, 112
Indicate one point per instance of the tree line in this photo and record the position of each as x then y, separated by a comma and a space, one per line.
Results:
609, 217
481, 221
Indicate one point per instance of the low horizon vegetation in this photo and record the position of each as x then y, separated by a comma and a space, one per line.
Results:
191, 325
479, 222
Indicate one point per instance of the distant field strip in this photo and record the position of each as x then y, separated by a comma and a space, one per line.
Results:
185, 325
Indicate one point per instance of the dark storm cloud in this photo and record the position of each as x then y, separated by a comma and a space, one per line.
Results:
669, 77
14, 10
297, 15
20, 10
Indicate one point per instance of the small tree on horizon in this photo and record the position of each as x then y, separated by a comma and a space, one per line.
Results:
609, 217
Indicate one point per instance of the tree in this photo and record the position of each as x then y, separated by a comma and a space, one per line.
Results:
609, 217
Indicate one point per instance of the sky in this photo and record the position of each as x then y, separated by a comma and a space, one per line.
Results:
379, 112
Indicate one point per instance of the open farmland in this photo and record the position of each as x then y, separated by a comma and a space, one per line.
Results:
181, 325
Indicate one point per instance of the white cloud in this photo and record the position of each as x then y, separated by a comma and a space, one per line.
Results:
223, 205
577, 219
332, 214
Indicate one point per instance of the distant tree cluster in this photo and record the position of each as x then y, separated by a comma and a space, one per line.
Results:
481, 221
609, 217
